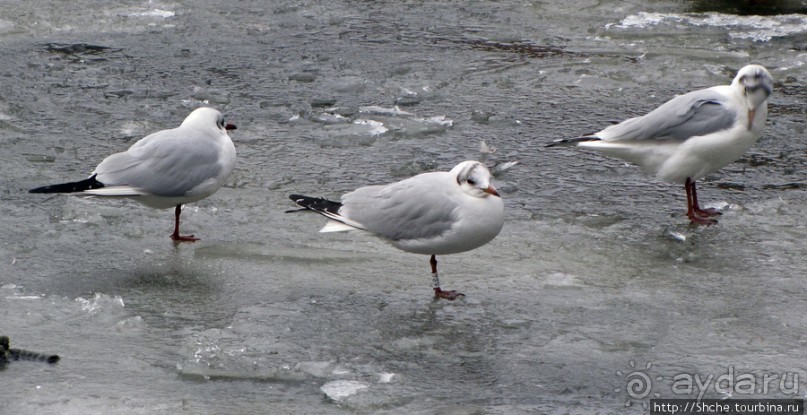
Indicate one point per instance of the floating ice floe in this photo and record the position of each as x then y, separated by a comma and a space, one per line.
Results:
373, 127
15, 295
677, 235
371, 123
131, 324
338, 390
385, 377
559, 279
24, 297
328, 118
500, 168
374, 109
100, 303
153, 13
757, 28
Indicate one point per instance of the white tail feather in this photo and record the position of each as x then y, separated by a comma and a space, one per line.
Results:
334, 226
121, 191
346, 224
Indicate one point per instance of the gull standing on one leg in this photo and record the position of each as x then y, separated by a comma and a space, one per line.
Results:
165, 169
435, 213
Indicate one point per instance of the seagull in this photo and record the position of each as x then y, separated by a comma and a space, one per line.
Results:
691, 135
165, 169
436, 213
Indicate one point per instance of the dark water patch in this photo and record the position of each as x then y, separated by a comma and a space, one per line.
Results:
786, 186
521, 47
76, 49
749, 7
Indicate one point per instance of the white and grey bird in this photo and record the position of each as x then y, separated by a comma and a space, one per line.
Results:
165, 169
436, 213
691, 135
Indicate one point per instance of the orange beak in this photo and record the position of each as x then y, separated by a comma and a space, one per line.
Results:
492, 190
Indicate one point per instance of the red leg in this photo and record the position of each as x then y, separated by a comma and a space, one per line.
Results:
439, 293
709, 212
176, 237
697, 215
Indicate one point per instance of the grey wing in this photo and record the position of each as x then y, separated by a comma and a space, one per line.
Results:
162, 164
409, 209
693, 114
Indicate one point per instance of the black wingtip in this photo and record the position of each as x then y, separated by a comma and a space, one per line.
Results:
317, 204
572, 141
71, 187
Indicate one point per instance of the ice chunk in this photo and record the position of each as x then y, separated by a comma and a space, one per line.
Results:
345, 128
373, 127
338, 390
357, 133
40, 158
153, 13
385, 377
130, 324
329, 118
559, 279
100, 303
756, 28
415, 126
676, 235
719, 205
374, 109
503, 167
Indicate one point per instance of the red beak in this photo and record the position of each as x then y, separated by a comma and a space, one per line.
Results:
492, 190
230, 127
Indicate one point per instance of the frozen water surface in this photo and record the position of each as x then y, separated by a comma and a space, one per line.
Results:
595, 281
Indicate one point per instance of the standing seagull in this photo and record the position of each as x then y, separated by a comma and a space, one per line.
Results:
165, 169
435, 213
691, 135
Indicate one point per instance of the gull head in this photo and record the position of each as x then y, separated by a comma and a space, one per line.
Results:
207, 117
756, 83
474, 179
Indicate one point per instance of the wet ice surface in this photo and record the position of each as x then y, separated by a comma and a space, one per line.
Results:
595, 275
758, 28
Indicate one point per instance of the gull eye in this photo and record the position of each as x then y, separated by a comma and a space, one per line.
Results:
472, 182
